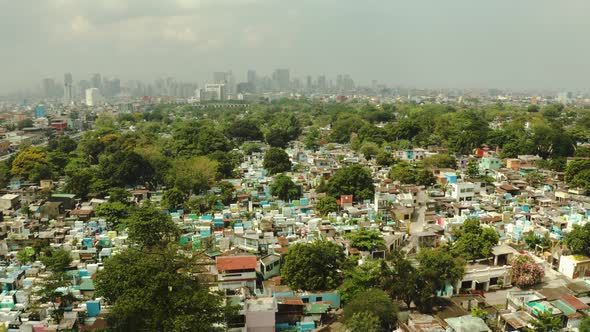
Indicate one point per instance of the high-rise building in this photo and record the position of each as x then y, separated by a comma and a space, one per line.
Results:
282, 79
96, 81
68, 89
226, 78
252, 76
49, 88
214, 91
93, 97
322, 83
309, 84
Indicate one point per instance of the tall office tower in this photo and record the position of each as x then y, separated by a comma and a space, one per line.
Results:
322, 83
219, 77
68, 89
96, 81
230, 85
93, 97
252, 76
47, 87
309, 84
282, 79
82, 86
111, 87
214, 91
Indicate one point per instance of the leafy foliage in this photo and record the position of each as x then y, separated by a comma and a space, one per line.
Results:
326, 205
578, 240
284, 188
376, 302
366, 240
155, 290
313, 266
352, 180
472, 241
148, 227
276, 160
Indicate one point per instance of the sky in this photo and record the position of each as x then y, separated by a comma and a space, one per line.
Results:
515, 44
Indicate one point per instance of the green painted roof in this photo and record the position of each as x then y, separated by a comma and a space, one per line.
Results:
563, 306
87, 285
317, 308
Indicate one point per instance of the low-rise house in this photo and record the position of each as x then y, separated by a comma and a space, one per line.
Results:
9, 201
483, 277
260, 314
234, 272
466, 323
575, 266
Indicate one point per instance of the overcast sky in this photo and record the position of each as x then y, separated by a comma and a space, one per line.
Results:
426, 43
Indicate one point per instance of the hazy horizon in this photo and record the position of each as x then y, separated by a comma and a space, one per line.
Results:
525, 44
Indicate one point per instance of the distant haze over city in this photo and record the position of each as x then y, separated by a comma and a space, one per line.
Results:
506, 44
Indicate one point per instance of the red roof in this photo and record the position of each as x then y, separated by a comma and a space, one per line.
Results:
230, 263
575, 302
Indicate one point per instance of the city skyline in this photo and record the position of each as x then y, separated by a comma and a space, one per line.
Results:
431, 44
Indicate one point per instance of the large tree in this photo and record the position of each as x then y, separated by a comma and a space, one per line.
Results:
577, 173
352, 180
313, 266
113, 212
284, 188
192, 176
157, 290
472, 241
326, 205
439, 267
578, 240
31, 164
148, 227
376, 302
276, 160
366, 240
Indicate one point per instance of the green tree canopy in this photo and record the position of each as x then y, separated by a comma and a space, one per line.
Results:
157, 291
439, 267
472, 241
31, 164
376, 302
366, 240
284, 188
352, 180
149, 227
326, 205
578, 240
276, 160
313, 266
113, 212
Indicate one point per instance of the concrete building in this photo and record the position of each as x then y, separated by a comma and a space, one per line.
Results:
575, 266
214, 91
68, 89
93, 97
462, 191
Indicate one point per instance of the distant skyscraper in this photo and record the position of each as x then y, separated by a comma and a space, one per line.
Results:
282, 79
93, 97
68, 89
226, 78
322, 83
309, 84
215, 92
219, 77
252, 76
49, 88
96, 81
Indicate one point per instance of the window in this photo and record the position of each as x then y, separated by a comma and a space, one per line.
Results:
493, 281
305, 300
319, 299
